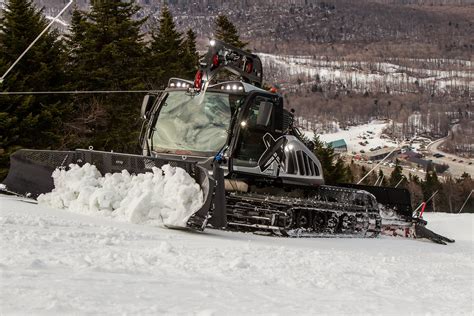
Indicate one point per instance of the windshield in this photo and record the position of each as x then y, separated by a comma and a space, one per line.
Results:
198, 124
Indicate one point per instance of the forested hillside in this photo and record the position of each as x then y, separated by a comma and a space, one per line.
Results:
396, 28
103, 50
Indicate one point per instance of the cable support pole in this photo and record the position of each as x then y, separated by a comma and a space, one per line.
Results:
465, 202
376, 181
426, 202
403, 177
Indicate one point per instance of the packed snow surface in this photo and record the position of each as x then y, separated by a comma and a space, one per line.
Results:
58, 262
166, 196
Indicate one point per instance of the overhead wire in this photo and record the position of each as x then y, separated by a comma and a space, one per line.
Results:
77, 92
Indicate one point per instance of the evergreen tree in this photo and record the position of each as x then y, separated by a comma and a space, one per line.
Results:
382, 180
226, 31
107, 46
75, 44
106, 53
334, 170
191, 56
414, 178
464, 176
369, 179
430, 185
33, 121
415, 189
464, 186
396, 176
167, 52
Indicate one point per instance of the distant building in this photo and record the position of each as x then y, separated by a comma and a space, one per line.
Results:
415, 160
339, 145
382, 153
409, 154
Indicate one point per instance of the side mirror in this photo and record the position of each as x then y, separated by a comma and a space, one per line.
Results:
147, 103
264, 113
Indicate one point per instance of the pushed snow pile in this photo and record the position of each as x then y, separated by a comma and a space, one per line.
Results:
166, 196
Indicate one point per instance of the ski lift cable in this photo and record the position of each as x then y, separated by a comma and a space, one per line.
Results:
76, 92
35, 40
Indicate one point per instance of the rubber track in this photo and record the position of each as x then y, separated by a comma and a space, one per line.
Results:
329, 212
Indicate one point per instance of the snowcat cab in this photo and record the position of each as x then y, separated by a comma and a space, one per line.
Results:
233, 122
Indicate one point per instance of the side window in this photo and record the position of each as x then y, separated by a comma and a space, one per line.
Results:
256, 123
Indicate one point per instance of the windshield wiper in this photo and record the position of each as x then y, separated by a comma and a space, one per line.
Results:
155, 117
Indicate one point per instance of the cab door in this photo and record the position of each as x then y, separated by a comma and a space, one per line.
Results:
263, 114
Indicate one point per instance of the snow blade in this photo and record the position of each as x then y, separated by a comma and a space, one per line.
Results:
30, 172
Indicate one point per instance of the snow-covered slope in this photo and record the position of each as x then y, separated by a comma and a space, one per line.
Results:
58, 262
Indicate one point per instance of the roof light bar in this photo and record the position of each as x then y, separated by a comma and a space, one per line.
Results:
179, 83
229, 86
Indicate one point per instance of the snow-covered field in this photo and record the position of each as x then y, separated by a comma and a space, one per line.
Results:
374, 76
58, 262
353, 136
